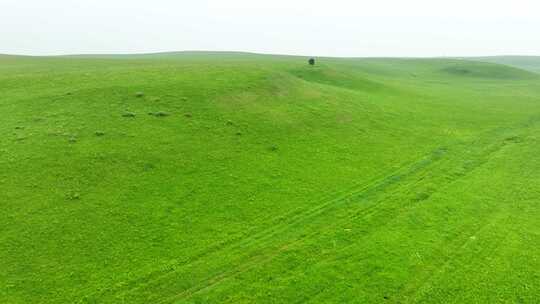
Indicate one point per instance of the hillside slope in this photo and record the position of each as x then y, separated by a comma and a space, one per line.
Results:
202, 178
530, 63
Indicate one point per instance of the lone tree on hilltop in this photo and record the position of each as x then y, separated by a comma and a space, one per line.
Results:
311, 61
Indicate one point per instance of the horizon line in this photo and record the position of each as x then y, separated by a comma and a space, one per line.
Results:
253, 53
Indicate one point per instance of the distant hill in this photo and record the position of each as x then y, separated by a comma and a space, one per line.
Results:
530, 63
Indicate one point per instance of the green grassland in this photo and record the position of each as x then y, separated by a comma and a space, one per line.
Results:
243, 178
530, 63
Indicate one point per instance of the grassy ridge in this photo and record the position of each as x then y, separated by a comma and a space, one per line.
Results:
252, 178
530, 63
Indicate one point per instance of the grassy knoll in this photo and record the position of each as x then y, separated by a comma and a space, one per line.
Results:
241, 178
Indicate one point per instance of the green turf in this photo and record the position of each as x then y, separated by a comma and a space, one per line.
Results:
242, 178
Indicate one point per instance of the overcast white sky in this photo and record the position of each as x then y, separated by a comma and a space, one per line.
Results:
330, 27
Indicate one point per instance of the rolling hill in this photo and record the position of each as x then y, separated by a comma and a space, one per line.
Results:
245, 178
530, 63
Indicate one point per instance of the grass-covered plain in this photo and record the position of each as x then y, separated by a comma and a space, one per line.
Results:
240, 178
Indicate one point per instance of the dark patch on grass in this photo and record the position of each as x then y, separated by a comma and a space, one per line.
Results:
159, 114
128, 114
73, 196
139, 94
188, 115
459, 71
99, 133
513, 139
